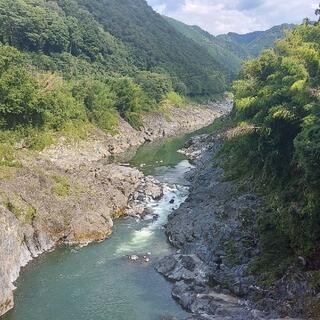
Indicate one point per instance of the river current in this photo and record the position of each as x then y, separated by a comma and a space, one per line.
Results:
99, 282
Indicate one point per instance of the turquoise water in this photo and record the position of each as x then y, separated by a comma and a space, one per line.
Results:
99, 282
157, 156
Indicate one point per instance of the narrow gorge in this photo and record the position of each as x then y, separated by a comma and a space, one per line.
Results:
159, 160
71, 194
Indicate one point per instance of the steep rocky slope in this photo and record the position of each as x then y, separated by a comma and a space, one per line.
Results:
215, 233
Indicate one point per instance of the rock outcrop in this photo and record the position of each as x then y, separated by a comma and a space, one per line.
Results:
41, 208
215, 234
100, 145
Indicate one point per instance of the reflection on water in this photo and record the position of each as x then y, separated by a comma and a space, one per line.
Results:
161, 154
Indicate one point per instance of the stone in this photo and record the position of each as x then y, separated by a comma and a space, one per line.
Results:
133, 257
209, 268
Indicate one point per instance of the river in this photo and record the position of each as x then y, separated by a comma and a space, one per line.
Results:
99, 282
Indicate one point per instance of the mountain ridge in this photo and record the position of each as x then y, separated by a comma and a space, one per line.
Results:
230, 49
154, 44
256, 41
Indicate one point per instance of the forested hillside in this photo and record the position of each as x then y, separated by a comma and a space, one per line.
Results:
154, 44
70, 64
276, 143
228, 60
254, 42
231, 49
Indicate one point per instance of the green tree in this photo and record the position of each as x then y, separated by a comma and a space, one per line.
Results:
277, 105
317, 12
155, 85
131, 101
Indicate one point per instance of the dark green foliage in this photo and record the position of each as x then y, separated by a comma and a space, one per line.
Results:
130, 100
103, 37
64, 63
98, 100
55, 27
277, 112
228, 51
154, 43
32, 26
251, 44
228, 62
19, 92
267, 39
59, 66
155, 85
30, 98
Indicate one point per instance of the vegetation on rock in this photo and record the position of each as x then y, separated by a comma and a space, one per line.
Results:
276, 141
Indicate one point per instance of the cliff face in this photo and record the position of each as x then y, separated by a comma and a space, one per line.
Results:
66, 195
13, 254
42, 207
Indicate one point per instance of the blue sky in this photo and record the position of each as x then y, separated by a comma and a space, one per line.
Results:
222, 16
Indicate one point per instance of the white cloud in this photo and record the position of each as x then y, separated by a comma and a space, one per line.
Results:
216, 18
161, 8
221, 16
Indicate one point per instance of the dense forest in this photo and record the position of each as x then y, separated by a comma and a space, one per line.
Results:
228, 59
251, 44
67, 65
231, 49
156, 45
117, 36
276, 142
70, 64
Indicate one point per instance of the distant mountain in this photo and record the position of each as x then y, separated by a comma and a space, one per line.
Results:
231, 49
155, 45
125, 38
254, 42
228, 58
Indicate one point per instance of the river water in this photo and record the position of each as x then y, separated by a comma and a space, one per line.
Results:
98, 282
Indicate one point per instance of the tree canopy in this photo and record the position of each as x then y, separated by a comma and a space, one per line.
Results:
277, 105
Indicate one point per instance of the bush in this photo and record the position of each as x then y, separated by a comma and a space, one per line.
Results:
61, 187
173, 99
106, 119
131, 101
7, 156
155, 85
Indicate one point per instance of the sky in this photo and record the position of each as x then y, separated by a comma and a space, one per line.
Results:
241, 16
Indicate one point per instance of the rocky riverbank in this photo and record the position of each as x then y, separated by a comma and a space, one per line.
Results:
100, 145
65, 194
43, 207
215, 234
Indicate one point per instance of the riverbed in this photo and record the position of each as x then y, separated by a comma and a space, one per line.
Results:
99, 281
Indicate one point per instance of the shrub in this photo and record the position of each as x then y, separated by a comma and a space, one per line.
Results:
61, 187
278, 95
